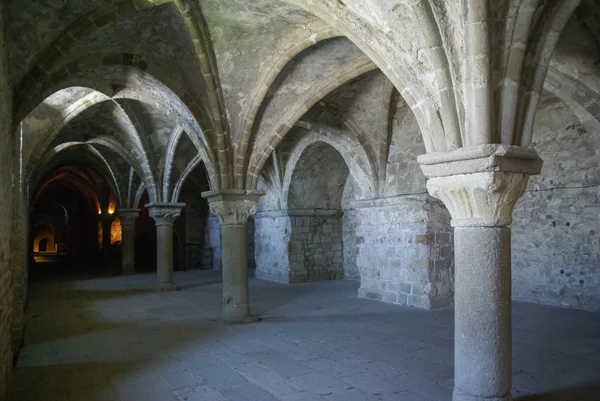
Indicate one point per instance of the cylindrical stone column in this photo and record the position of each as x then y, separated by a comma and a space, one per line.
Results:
164, 215
482, 317
234, 245
164, 252
480, 187
234, 208
128, 218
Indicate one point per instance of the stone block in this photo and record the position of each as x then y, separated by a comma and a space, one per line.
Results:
414, 300
446, 251
425, 239
363, 293
403, 299
405, 288
440, 302
442, 238
395, 263
418, 289
390, 297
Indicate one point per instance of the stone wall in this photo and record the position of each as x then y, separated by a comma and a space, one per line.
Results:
251, 230
404, 251
556, 229
298, 246
555, 248
19, 259
349, 223
213, 241
400, 248
271, 238
315, 247
6, 160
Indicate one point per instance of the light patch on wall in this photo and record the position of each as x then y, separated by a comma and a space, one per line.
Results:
115, 231
112, 205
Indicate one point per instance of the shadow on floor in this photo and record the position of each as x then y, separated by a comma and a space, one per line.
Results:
201, 283
585, 392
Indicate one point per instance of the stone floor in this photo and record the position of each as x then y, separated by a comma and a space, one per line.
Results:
115, 339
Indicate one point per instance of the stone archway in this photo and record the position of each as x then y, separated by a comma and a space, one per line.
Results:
44, 240
316, 191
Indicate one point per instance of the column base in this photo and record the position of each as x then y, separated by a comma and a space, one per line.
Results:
128, 271
164, 287
246, 320
459, 395
238, 314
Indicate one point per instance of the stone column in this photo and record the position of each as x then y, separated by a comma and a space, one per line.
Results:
106, 221
234, 208
480, 187
128, 218
164, 215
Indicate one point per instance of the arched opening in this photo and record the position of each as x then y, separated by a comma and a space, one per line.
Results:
43, 245
145, 238
44, 239
67, 221
196, 245
316, 193
50, 232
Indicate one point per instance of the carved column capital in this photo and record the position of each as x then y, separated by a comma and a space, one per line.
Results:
233, 207
164, 214
128, 216
231, 213
480, 185
479, 199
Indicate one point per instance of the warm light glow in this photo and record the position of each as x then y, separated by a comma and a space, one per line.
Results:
115, 232
112, 205
44, 242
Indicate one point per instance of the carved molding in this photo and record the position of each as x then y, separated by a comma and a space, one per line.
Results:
164, 214
234, 212
128, 216
479, 159
481, 184
482, 199
233, 206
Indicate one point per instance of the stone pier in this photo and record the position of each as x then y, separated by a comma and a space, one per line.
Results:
234, 208
164, 214
128, 218
480, 187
